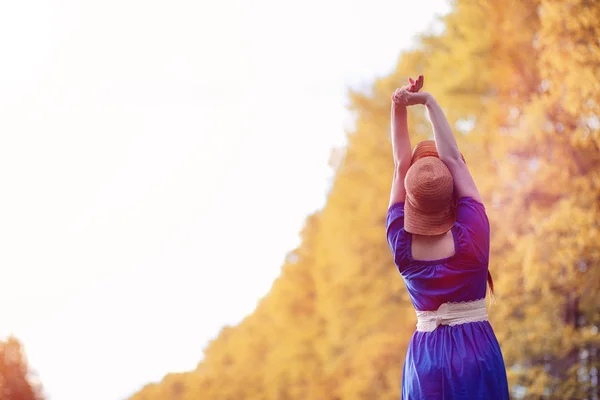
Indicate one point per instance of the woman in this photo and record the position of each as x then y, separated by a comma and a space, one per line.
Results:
439, 234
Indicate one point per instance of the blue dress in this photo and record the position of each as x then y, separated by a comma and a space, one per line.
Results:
461, 362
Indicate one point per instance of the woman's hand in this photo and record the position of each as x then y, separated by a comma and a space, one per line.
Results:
417, 85
409, 95
407, 98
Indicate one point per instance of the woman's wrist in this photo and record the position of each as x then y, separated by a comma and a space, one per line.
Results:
428, 99
400, 108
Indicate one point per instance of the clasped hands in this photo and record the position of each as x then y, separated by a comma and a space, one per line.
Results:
409, 95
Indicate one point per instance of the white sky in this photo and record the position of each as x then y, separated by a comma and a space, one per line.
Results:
157, 161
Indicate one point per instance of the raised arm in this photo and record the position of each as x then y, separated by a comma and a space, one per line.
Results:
401, 140
447, 148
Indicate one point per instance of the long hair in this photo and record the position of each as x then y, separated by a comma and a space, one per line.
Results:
490, 282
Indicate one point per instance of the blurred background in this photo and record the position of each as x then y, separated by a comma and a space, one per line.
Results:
194, 193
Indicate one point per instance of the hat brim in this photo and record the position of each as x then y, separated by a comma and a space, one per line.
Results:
428, 224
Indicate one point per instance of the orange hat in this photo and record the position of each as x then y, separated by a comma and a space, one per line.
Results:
429, 205
426, 148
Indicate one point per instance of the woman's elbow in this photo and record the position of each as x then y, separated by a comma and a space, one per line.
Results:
402, 165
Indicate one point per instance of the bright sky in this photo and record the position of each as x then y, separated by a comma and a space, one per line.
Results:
157, 162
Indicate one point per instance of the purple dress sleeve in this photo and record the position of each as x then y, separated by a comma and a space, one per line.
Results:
396, 236
471, 216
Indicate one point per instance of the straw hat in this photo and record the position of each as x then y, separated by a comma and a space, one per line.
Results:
429, 206
426, 148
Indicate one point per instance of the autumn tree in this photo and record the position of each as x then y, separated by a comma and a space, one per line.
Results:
16, 382
552, 340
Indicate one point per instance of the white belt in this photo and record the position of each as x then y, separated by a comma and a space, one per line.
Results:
452, 314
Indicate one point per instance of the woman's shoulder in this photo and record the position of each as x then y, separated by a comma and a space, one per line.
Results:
471, 213
472, 230
468, 200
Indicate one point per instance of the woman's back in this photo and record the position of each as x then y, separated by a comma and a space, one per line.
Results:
436, 247
460, 360
457, 271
